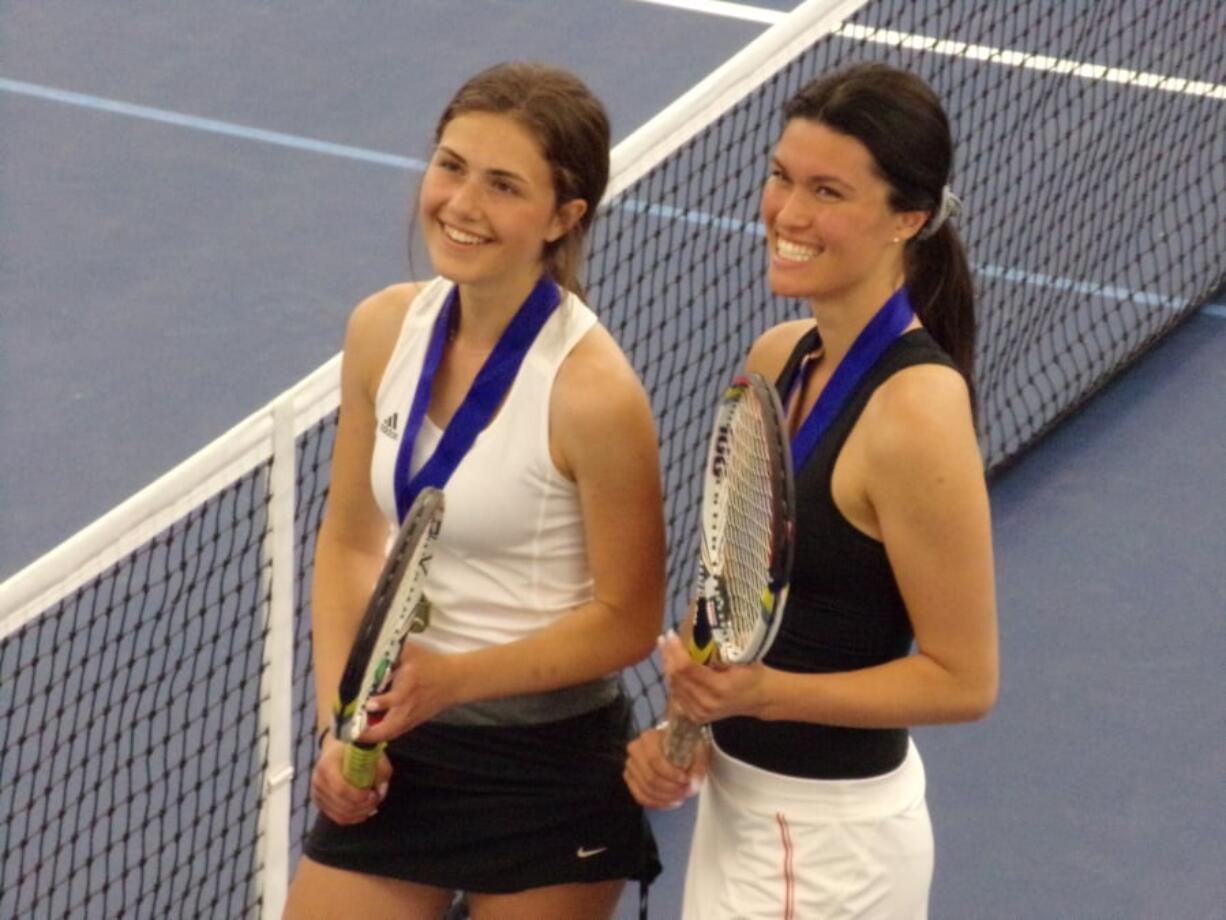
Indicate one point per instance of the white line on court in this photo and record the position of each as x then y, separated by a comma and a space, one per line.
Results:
210, 125
985, 53
723, 8
1041, 62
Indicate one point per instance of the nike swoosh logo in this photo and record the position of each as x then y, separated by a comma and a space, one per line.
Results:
584, 853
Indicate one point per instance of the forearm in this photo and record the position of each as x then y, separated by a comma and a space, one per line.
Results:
916, 690
593, 640
342, 583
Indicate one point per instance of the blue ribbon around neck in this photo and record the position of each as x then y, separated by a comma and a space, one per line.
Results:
483, 397
887, 324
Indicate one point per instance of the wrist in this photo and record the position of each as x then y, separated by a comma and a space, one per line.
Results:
765, 697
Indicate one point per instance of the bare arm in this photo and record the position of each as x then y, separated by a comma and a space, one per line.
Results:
607, 443
352, 541
923, 478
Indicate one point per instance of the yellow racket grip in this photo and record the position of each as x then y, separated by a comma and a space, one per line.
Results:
359, 762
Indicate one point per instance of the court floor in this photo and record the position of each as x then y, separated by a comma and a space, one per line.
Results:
194, 195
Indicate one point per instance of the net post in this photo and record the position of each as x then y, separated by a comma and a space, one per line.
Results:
276, 696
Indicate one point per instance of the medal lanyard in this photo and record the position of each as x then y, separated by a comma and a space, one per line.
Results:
886, 325
483, 397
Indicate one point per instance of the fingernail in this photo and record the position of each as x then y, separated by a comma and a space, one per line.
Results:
695, 786
382, 790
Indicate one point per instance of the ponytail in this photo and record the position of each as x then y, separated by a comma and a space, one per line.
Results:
943, 295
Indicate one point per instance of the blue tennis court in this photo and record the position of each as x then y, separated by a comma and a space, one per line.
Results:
194, 196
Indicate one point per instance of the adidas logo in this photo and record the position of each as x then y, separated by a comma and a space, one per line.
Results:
388, 425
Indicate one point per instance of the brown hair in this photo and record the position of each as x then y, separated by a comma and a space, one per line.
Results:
900, 120
572, 128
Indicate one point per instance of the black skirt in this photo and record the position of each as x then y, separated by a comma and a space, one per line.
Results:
499, 809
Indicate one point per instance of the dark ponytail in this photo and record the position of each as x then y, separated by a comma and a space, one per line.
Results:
943, 296
900, 120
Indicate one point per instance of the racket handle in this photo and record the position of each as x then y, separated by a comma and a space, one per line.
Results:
359, 762
681, 738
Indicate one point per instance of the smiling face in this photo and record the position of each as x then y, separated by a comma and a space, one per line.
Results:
829, 226
487, 204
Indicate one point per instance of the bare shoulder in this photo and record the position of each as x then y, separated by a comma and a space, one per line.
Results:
771, 351
920, 419
597, 377
374, 326
601, 423
384, 310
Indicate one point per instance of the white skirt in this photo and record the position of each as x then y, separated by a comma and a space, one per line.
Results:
772, 846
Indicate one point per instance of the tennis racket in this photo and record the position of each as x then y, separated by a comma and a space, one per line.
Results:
745, 552
396, 608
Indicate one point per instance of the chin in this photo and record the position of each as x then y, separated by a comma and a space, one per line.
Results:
784, 285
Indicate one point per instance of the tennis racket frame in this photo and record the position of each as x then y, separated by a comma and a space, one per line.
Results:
714, 640
397, 607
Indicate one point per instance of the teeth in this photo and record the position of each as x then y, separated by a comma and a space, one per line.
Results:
460, 236
794, 252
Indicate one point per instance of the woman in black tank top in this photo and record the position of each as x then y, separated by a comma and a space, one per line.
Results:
891, 618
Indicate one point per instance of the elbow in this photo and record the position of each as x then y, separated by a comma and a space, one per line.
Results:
643, 642
980, 700
649, 627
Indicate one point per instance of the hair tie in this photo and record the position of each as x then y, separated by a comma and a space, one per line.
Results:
950, 206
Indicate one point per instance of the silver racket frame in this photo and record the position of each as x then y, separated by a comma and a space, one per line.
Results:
408, 611
683, 735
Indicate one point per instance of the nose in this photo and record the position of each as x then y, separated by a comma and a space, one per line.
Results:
792, 209
465, 198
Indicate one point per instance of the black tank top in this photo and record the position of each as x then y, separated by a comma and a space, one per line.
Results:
844, 609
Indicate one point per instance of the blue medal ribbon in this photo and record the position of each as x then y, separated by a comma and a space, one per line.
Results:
483, 397
887, 324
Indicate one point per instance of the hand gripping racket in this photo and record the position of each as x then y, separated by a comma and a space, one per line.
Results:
396, 608
745, 552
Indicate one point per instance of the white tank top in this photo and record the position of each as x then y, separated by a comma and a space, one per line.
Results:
510, 557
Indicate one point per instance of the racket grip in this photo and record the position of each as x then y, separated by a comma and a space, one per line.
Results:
681, 738
359, 762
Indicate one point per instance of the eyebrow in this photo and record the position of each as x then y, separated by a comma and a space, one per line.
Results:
496, 173
819, 178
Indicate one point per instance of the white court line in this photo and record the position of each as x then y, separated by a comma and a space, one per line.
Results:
986, 53
1008, 58
725, 9
1215, 309
210, 125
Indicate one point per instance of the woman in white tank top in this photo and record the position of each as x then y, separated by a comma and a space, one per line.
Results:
548, 577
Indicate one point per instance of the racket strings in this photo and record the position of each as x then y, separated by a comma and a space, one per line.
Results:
749, 499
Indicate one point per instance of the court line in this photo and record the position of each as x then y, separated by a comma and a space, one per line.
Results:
663, 212
1217, 310
210, 125
1029, 61
985, 53
725, 9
